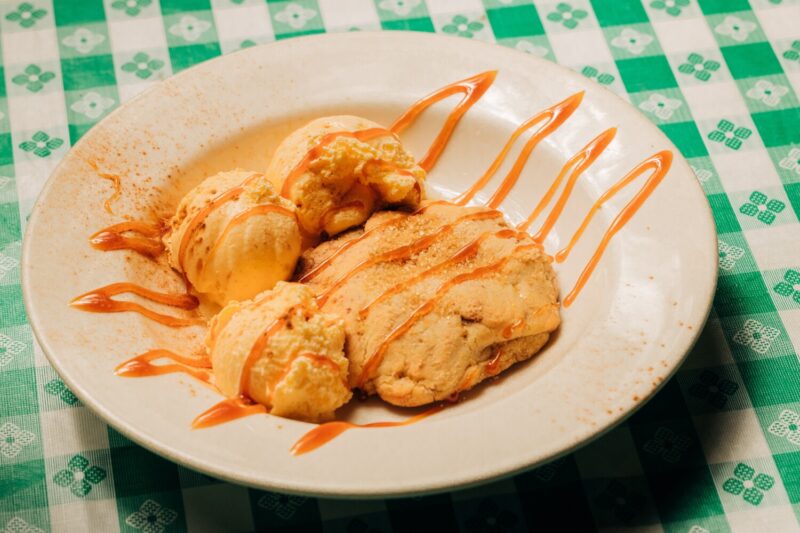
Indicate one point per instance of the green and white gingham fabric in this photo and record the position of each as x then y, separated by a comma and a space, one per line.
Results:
718, 449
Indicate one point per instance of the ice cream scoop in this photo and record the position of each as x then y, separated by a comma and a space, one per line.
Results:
281, 351
233, 236
338, 170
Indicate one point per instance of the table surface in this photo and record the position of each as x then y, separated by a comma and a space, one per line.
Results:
717, 449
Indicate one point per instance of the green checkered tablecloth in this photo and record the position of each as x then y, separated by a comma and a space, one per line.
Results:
718, 449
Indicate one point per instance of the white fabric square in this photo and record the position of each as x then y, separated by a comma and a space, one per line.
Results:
348, 13
70, 431
774, 247
715, 100
78, 516
684, 35
243, 22
583, 48
438, 7
741, 171
136, 34
731, 436
779, 22
30, 46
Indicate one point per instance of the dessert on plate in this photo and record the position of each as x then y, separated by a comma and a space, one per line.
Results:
331, 270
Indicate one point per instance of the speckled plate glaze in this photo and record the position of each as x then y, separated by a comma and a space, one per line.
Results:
623, 337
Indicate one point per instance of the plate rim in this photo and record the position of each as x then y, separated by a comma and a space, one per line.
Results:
424, 487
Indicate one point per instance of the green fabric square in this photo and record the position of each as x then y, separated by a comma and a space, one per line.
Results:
685, 493
717, 524
76, 131
793, 193
665, 445
646, 73
3, 92
515, 21
778, 127
771, 381
395, 11
6, 157
724, 216
736, 29
706, 174
784, 286
789, 468
686, 138
18, 384
632, 42
137, 471
749, 60
87, 72
617, 12
742, 294
418, 24
711, 7
183, 57
735, 256
12, 311
71, 12
169, 7
298, 17
787, 162
23, 485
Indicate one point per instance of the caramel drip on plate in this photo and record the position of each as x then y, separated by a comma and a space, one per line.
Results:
466, 253
316, 150
112, 238
374, 360
101, 301
659, 164
550, 119
578, 163
142, 366
472, 89
226, 411
202, 215
264, 209
328, 431
405, 252
325, 263
115, 183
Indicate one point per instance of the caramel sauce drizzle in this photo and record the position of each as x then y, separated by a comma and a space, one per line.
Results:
226, 411
472, 88
578, 163
257, 349
202, 215
325, 140
101, 301
550, 119
325, 263
374, 360
328, 431
142, 366
405, 252
466, 253
112, 238
115, 183
659, 164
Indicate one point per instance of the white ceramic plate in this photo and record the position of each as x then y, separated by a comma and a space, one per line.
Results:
626, 333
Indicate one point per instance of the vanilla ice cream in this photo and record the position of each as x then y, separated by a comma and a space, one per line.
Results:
233, 236
338, 170
281, 351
